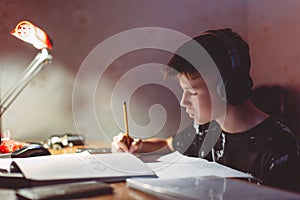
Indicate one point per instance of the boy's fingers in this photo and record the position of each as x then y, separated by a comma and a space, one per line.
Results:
135, 145
119, 143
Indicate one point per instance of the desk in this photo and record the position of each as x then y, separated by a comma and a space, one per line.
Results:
123, 192
120, 192
234, 190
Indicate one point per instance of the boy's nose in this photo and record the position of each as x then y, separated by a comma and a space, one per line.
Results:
184, 100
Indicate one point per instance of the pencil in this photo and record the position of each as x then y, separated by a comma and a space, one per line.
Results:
126, 123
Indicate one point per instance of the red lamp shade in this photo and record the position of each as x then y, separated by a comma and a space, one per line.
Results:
32, 34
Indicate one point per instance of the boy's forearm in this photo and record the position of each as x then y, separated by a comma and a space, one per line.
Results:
155, 146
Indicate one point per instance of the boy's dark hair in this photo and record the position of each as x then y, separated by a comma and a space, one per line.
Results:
229, 52
216, 49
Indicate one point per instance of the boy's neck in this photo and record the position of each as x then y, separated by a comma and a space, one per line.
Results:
242, 118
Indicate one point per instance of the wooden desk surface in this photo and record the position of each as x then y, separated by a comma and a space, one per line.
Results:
120, 192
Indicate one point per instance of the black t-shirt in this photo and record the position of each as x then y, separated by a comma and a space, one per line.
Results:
269, 151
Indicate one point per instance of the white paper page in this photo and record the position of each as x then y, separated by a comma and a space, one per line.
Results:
176, 165
178, 157
83, 165
5, 163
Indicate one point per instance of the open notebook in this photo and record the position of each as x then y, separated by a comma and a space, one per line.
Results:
80, 166
111, 167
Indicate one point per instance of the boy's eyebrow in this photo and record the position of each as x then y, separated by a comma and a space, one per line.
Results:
189, 87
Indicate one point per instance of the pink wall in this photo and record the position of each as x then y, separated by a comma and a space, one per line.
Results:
78, 26
273, 34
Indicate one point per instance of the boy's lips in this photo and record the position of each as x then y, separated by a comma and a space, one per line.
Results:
190, 114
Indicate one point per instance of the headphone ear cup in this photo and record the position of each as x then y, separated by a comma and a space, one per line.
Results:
238, 89
236, 83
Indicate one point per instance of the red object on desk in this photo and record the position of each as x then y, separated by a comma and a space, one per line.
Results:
9, 146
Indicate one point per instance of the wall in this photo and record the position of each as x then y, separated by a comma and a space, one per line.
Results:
273, 36
46, 106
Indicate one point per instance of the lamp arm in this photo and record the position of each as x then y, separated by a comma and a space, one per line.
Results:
41, 59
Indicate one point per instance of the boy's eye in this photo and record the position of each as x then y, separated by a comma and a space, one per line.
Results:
193, 93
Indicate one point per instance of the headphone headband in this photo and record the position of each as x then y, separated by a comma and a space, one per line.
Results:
230, 47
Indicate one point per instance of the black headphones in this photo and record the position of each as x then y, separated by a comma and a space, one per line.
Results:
236, 79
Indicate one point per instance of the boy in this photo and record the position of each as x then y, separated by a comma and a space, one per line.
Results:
247, 138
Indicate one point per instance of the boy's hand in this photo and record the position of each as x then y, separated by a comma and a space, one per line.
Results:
122, 143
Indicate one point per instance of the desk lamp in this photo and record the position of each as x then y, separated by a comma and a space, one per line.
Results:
32, 34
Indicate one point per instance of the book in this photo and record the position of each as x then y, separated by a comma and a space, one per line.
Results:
203, 188
65, 191
80, 166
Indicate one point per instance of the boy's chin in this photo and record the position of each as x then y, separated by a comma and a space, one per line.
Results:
201, 122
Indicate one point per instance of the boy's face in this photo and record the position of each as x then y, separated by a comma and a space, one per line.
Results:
196, 98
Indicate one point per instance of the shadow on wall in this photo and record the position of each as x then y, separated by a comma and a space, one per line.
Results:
280, 102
